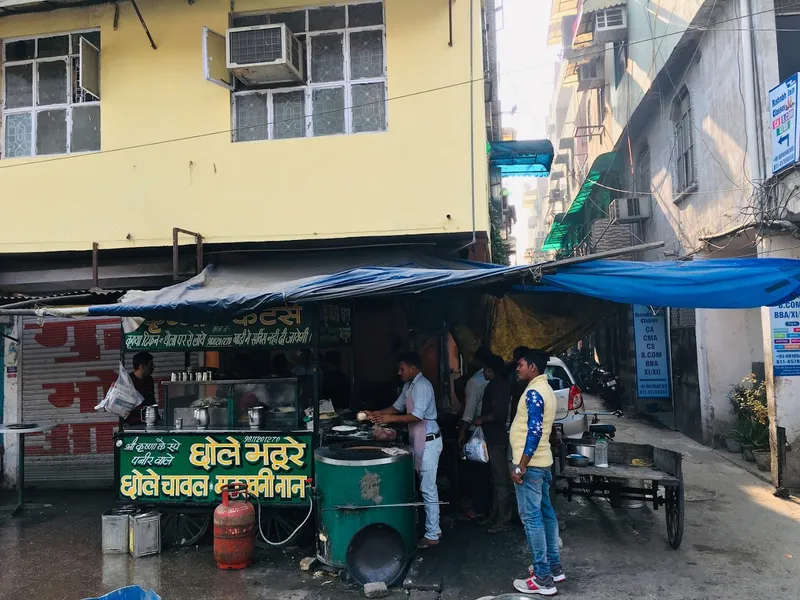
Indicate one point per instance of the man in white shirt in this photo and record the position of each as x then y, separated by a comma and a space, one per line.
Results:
474, 475
473, 396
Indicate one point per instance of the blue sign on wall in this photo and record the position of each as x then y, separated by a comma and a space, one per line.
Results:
652, 352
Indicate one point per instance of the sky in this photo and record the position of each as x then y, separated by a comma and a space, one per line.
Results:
526, 67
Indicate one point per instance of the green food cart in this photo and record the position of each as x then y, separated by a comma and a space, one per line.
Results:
179, 467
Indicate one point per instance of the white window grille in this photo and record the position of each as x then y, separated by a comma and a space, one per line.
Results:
684, 142
51, 100
345, 82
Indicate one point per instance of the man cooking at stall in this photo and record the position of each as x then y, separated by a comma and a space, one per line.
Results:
419, 403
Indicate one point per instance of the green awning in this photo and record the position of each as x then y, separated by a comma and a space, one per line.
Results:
590, 203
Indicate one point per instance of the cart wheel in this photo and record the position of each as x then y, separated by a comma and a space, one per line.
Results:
674, 509
179, 530
279, 525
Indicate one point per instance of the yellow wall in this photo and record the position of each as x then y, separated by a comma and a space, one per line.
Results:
402, 181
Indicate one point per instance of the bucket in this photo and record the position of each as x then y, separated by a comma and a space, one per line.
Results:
132, 592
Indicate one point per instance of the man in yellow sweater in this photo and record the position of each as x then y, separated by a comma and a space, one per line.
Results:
532, 458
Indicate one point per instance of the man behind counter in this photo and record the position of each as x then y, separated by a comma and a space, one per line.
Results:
142, 379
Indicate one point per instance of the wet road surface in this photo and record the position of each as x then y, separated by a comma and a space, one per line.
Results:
740, 543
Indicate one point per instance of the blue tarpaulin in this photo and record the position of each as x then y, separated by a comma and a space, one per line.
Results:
716, 283
721, 283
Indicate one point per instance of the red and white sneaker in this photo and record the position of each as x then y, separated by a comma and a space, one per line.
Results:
558, 576
534, 585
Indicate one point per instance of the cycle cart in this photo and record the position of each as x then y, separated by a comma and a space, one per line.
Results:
660, 470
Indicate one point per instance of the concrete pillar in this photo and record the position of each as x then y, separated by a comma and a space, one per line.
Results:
783, 391
12, 399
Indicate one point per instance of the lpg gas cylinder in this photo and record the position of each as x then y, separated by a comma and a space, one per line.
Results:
234, 529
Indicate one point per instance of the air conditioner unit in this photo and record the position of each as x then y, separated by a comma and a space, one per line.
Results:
264, 54
591, 75
611, 24
629, 210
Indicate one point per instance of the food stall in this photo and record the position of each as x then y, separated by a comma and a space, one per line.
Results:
214, 430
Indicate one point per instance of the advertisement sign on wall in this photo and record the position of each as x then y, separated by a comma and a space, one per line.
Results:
652, 352
785, 320
783, 112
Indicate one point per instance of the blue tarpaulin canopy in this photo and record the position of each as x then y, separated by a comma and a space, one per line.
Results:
523, 158
224, 290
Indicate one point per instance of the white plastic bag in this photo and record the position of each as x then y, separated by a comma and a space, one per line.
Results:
122, 398
475, 449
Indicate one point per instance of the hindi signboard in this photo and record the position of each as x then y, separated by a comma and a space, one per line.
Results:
652, 352
336, 322
283, 327
783, 113
785, 325
192, 468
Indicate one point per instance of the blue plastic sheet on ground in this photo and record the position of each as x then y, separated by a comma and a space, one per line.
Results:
132, 592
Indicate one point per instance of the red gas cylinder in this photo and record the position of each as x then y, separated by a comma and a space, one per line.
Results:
234, 529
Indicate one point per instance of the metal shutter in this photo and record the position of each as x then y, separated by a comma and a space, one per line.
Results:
67, 367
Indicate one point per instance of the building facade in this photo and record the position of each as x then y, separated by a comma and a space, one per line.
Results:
140, 141
662, 124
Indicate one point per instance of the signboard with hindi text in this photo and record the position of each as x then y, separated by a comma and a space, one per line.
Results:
283, 327
185, 468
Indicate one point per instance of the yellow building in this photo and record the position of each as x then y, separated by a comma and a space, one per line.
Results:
375, 129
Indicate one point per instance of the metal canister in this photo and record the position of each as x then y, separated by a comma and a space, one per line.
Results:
255, 416
144, 534
150, 415
201, 417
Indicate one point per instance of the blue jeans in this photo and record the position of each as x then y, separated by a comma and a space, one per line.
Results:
539, 520
430, 493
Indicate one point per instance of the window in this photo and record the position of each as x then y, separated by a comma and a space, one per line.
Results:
344, 91
643, 180
620, 61
51, 95
557, 377
684, 142
787, 24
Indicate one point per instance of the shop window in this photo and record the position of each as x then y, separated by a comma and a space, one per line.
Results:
787, 25
51, 95
685, 160
343, 86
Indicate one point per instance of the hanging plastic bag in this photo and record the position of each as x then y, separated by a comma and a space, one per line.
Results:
475, 449
122, 397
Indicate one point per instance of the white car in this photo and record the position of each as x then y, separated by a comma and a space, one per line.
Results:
570, 413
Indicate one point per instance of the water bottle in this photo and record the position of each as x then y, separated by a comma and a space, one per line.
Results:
601, 452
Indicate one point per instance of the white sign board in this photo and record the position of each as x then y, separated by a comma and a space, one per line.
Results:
785, 320
783, 111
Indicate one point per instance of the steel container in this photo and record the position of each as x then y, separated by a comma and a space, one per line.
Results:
115, 530
584, 447
359, 486
144, 536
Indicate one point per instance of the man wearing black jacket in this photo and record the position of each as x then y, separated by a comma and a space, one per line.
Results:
494, 413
